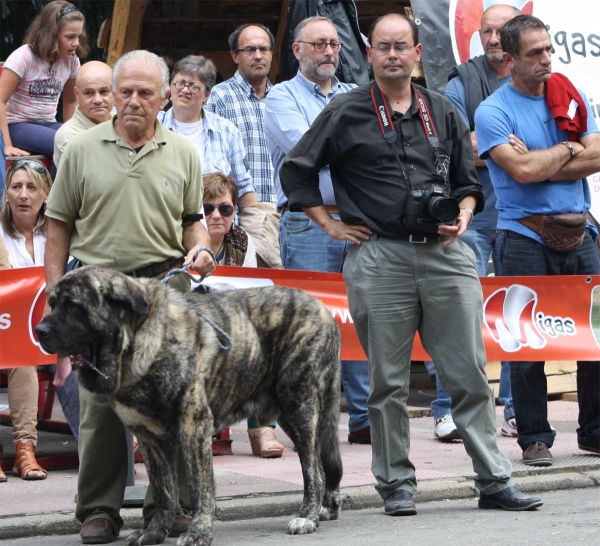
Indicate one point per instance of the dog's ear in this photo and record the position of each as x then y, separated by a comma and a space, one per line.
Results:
129, 293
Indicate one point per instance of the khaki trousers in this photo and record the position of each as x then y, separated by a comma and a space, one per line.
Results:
103, 457
23, 388
395, 289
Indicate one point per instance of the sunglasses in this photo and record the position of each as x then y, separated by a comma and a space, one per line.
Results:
224, 210
35, 165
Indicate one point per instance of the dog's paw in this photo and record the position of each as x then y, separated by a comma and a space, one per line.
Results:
329, 514
139, 538
301, 526
191, 539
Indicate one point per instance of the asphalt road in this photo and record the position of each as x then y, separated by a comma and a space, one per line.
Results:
568, 518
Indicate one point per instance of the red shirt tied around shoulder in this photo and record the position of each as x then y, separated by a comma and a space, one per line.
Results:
562, 98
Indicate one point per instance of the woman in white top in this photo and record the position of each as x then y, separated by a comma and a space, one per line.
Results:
23, 232
34, 77
22, 220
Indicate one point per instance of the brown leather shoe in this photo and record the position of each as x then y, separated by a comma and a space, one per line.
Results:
537, 454
98, 531
181, 525
362, 436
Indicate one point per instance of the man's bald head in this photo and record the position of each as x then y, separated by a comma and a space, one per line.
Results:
93, 91
491, 21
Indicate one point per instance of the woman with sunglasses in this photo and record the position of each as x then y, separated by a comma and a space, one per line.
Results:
34, 77
218, 141
23, 233
233, 246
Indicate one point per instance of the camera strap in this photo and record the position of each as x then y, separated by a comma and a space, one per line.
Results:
384, 116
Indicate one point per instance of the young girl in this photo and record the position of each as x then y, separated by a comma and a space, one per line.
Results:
35, 75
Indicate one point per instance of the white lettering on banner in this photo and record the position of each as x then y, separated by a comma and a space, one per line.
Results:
344, 315
5, 322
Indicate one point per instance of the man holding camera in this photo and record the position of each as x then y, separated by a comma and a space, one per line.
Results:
402, 168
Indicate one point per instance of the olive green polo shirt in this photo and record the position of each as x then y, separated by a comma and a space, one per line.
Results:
126, 207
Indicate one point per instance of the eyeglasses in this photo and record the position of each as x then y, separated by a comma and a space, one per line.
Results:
400, 48
35, 165
224, 210
251, 50
322, 46
193, 89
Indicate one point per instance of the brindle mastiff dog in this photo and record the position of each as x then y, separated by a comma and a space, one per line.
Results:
159, 362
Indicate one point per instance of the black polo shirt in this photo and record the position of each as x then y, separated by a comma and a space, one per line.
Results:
366, 172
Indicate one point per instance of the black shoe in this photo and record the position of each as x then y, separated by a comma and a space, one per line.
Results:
509, 499
537, 454
589, 448
98, 531
362, 436
400, 503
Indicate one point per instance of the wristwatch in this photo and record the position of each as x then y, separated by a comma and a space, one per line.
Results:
571, 149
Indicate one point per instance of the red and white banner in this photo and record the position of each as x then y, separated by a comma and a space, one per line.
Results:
525, 318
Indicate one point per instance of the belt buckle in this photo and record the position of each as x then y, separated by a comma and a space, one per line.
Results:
410, 240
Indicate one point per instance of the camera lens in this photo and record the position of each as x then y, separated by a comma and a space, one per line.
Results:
443, 209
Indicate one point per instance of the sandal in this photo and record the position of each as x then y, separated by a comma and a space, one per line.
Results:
264, 443
2, 474
25, 463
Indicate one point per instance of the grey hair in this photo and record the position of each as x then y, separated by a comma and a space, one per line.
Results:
299, 30
144, 59
197, 65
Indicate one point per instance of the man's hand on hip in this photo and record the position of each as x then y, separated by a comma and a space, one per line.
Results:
355, 233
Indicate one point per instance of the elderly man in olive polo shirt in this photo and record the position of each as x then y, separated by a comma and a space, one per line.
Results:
126, 196
94, 104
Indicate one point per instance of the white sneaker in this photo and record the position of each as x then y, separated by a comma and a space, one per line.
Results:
445, 429
509, 428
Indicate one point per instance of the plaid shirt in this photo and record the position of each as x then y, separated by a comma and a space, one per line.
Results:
224, 150
235, 100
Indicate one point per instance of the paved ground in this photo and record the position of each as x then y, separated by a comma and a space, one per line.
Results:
567, 517
250, 487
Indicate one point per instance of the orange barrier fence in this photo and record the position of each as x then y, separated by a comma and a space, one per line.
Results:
525, 318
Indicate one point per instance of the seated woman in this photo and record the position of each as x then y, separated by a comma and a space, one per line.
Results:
34, 77
218, 141
233, 246
22, 230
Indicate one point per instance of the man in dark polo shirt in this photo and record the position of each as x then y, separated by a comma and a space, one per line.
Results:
406, 271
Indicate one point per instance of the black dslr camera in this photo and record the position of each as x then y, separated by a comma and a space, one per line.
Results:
426, 209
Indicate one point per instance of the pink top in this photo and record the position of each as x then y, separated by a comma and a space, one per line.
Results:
36, 96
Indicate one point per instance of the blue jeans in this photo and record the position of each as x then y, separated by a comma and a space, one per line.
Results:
36, 137
305, 246
517, 255
68, 396
481, 242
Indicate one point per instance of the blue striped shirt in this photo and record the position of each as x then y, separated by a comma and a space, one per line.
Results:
236, 100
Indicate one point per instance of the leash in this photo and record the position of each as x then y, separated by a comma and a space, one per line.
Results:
198, 279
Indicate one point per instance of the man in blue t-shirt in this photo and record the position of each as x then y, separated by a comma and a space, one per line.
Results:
469, 85
547, 180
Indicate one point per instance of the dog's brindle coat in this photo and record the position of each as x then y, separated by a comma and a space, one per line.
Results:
171, 384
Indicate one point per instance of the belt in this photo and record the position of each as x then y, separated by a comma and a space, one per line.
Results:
415, 238
154, 270
329, 208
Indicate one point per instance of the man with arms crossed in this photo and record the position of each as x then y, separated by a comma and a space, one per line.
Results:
404, 275
131, 205
531, 187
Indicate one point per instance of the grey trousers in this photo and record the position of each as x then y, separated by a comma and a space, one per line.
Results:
395, 289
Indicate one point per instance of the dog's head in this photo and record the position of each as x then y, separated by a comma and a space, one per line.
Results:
93, 309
